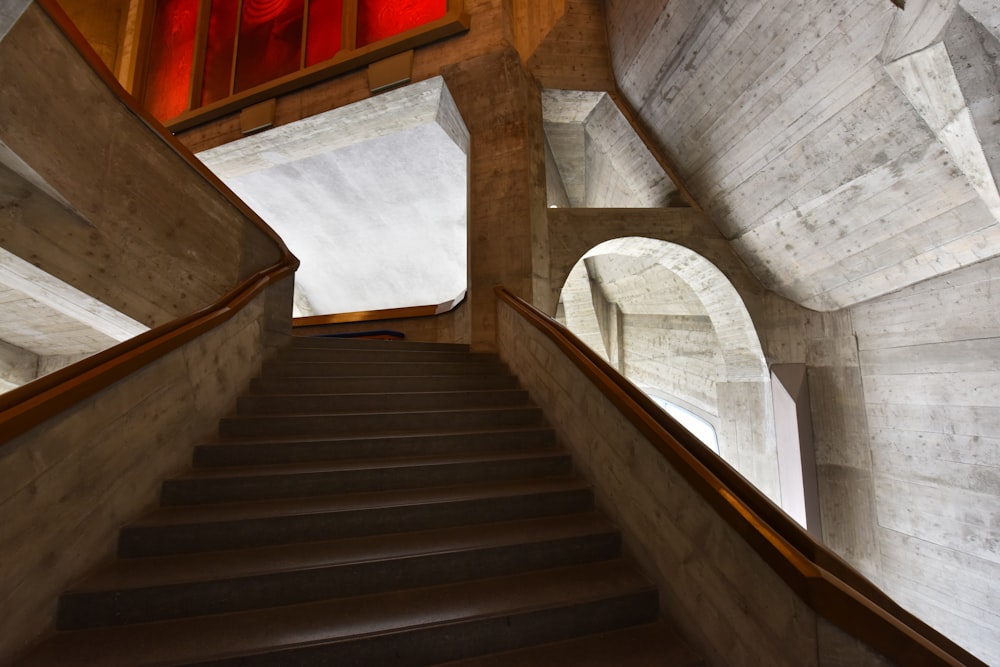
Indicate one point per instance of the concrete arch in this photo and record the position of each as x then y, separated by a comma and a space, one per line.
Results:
668, 317
740, 345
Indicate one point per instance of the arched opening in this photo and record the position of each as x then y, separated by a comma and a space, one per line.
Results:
670, 321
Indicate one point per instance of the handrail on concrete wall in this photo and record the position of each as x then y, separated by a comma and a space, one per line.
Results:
28, 406
824, 581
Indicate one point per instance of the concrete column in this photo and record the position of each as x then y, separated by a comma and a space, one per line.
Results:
501, 107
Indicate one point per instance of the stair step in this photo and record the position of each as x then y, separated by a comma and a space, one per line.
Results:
186, 529
263, 404
319, 342
395, 368
366, 354
257, 451
649, 645
384, 422
361, 384
152, 589
371, 503
214, 485
410, 627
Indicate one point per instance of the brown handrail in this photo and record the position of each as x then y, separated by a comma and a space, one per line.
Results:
823, 580
365, 316
30, 405
407, 312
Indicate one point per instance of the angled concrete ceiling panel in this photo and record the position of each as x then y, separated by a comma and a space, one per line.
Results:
985, 13
600, 160
371, 197
839, 145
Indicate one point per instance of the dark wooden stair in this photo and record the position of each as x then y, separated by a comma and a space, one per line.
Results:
371, 503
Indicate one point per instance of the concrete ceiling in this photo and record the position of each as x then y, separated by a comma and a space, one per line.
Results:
45, 323
371, 197
595, 159
847, 149
41, 315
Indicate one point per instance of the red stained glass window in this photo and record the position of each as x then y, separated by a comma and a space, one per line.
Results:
270, 43
219, 50
378, 19
267, 36
326, 22
168, 78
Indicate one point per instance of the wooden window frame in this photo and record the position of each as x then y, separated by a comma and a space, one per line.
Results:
350, 57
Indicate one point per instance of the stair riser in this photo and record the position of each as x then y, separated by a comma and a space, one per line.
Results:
326, 404
376, 423
384, 384
116, 607
434, 644
306, 355
194, 491
342, 369
187, 538
417, 445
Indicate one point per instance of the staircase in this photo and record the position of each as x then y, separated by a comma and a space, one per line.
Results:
371, 503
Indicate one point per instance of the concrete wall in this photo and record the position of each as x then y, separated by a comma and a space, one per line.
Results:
670, 530
930, 367
137, 229
97, 198
845, 150
788, 333
70, 484
506, 221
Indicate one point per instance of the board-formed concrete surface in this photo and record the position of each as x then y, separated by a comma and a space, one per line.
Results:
371, 197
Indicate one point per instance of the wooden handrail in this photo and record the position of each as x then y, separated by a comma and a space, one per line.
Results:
377, 315
32, 404
823, 580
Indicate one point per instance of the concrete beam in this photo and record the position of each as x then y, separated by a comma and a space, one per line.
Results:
66, 299
17, 366
402, 109
929, 81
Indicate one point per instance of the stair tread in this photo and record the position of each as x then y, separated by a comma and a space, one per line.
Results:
447, 567
221, 512
233, 439
208, 566
649, 645
322, 342
444, 395
411, 353
458, 360
346, 465
380, 378
384, 413
490, 365
245, 633
417, 379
